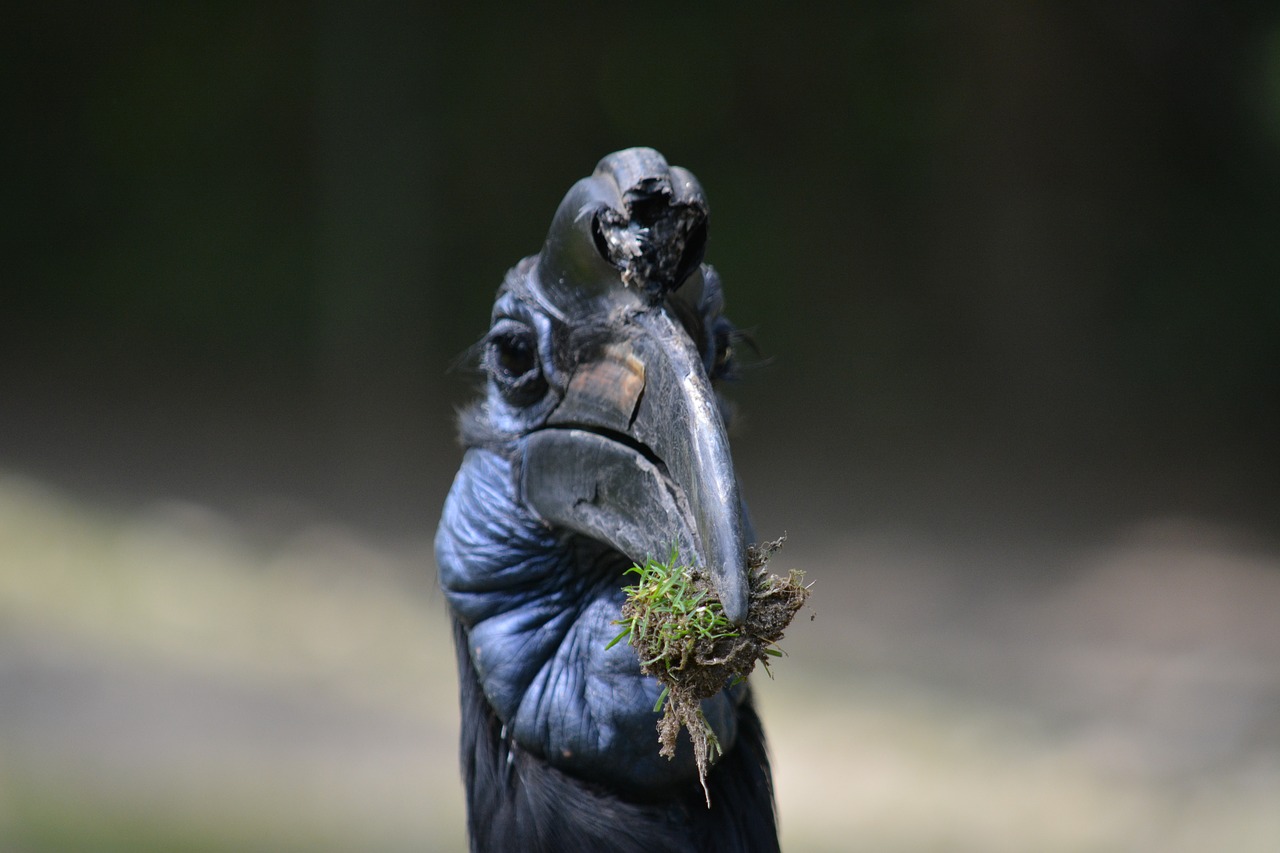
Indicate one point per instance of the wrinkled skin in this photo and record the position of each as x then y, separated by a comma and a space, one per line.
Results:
538, 644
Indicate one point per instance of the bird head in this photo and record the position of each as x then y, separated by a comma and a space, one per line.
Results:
600, 442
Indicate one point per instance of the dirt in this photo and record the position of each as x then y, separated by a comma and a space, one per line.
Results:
706, 666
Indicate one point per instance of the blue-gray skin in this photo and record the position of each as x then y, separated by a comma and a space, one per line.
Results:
539, 607
599, 442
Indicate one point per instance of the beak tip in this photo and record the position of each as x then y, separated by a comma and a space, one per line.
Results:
733, 599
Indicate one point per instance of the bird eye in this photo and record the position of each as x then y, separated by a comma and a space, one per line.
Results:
723, 356
511, 355
515, 356
722, 361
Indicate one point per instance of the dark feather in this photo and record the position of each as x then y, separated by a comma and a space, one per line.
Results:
517, 802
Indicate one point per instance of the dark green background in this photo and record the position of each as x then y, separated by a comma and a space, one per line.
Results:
995, 255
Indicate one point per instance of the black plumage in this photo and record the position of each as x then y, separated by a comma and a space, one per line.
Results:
599, 441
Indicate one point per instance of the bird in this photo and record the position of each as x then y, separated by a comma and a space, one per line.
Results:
599, 439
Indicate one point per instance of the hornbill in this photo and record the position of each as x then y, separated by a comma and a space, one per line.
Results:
599, 441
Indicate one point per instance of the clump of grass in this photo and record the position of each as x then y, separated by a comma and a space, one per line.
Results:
676, 623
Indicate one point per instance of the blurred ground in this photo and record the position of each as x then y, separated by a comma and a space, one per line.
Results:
173, 678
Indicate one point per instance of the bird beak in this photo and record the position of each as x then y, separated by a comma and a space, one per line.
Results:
636, 456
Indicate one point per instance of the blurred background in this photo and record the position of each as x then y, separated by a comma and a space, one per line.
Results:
1014, 276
